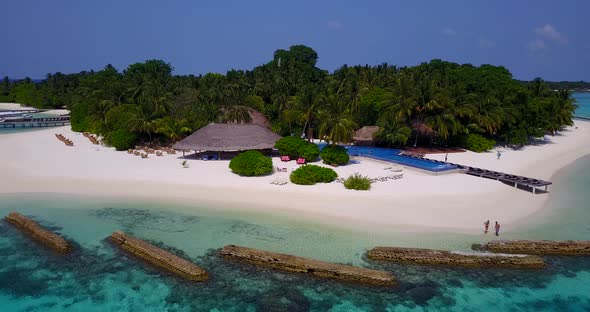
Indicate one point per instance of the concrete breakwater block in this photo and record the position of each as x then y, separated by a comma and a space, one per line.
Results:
440, 257
38, 233
159, 257
309, 266
540, 247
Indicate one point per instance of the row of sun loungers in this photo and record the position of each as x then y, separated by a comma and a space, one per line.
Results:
280, 181
91, 137
150, 150
145, 151
137, 153
62, 138
394, 169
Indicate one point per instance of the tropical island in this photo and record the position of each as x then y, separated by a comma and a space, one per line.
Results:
437, 108
147, 103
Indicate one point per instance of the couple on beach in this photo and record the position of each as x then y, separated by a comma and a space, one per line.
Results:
486, 226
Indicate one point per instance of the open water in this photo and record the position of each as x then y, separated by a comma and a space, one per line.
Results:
583, 101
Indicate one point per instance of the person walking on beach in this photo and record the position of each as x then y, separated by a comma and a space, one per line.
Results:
446, 155
498, 154
497, 228
486, 226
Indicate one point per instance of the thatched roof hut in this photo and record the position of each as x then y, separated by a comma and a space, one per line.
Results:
258, 118
424, 129
225, 137
365, 135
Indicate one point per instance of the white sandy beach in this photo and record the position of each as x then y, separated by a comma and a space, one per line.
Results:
35, 161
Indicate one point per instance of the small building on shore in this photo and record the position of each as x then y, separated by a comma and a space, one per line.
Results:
217, 139
365, 136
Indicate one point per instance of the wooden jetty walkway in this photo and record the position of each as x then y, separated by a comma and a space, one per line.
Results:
37, 122
528, 183
521, 182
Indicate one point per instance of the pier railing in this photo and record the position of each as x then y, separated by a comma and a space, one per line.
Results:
37, 122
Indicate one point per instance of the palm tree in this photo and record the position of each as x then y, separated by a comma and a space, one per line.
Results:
236, 114
444, 123
336, 123
142, 120
403, 97
171, 128
488, 114
302, 108
393, 130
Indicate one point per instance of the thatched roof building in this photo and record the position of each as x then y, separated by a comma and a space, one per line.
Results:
365, 135
424, 129
225, 137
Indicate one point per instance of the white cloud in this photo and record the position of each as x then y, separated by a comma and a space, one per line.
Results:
448, 31
486, 44
335, 25
549, 32
537, 45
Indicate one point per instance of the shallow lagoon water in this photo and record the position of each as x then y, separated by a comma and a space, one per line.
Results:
98, 277
583, 101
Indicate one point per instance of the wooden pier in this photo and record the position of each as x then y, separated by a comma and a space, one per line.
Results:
529, 184
37, 122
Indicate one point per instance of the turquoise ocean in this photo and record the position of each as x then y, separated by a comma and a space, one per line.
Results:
98, 277
583, 101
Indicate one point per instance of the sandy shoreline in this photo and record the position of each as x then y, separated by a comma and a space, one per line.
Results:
37, 162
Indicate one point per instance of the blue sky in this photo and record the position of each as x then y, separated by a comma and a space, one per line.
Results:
549, 39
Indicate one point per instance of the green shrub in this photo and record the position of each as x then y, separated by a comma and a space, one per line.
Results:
121, 139
357, 182
334, 155
289, 146
517, 137
251, 163
312, 174
479, 143
296, 147
309, 151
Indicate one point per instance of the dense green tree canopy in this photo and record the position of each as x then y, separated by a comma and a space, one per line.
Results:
433, 103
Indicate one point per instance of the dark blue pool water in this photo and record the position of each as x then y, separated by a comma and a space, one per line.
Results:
392, 155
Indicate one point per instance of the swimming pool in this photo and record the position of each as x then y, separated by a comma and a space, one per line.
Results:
392, 155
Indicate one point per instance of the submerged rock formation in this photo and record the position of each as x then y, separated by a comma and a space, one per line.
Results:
302, 265
439, 257
159, 257
37, 232
541, 247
